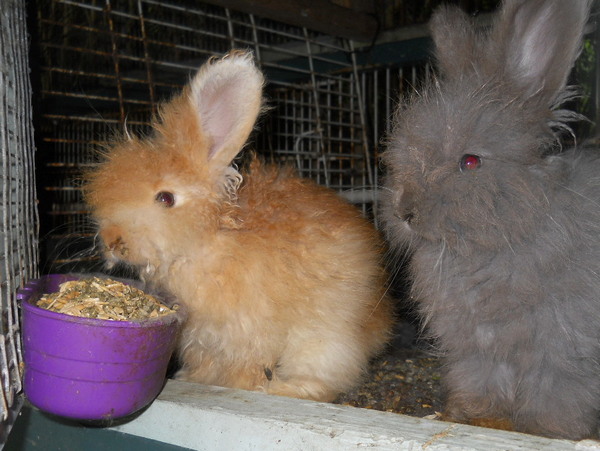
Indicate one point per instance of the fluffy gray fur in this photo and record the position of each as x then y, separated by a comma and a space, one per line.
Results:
504, 259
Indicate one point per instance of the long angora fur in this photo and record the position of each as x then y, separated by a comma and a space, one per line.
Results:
282, 280
502, 227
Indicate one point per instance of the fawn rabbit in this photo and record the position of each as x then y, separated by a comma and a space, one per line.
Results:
501, 225
283, 281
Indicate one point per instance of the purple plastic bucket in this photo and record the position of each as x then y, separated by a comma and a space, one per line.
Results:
88, 368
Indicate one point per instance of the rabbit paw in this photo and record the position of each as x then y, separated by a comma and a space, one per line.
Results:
304, 388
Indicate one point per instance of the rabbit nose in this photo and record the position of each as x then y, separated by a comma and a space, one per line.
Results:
113, 240
408, 217
118, 246
110, 235
405, 206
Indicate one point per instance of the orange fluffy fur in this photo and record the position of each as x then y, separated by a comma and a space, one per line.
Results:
282, 280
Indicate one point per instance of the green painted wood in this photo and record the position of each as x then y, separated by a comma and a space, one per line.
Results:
35, 431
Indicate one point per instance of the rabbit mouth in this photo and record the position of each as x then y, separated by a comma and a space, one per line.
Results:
118, 248
115, 252
413, 223
408, 217
408, 221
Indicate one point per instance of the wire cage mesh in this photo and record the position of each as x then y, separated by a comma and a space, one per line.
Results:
106, 65
19, 223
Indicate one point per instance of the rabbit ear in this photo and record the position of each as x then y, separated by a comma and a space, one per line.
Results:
539, 41
226, 94
454, 37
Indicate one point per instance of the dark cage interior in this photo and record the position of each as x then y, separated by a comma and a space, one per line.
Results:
101, 67
104, 67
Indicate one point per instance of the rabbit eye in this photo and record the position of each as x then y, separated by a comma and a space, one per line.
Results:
166, 198
469, 162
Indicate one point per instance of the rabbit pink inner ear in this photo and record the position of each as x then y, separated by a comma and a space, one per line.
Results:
218, 118
541, 40
226, 96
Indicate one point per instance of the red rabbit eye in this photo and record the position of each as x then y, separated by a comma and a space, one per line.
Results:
469, 162
166, 198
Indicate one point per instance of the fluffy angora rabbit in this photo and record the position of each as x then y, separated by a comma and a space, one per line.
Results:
282, 281
502, 227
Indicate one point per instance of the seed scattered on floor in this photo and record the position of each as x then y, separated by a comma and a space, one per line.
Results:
404, 381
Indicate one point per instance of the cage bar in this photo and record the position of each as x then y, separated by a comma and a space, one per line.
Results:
107, 64
19, 222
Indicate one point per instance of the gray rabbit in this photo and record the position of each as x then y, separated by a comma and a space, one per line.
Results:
502, 225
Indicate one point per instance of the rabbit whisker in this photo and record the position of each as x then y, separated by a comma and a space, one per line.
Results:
580, 195
508, 243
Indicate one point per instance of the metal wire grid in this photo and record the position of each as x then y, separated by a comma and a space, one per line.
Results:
382, 88
106, 64
18, 227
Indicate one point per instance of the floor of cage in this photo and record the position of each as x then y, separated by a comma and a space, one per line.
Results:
405, 379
